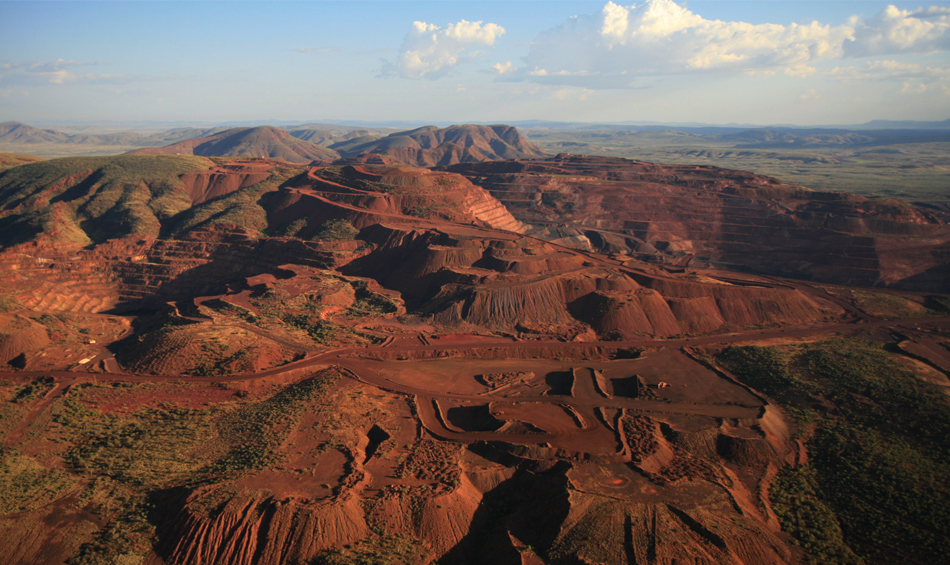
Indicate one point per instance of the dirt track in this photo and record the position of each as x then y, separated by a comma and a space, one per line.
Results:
575, 430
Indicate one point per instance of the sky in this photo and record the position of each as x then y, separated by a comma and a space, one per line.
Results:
717, 62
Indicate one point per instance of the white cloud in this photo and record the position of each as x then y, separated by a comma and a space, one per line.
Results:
801, 70
572, 94
621, 44
503, 68
895, 31
658, 37
430, 51
889, 71
52, 72
808, 95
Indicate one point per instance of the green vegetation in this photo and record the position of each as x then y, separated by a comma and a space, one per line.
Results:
91, 199
421, 211
292, 229
256, 430
8, 303
132, 464
886, 306
369, 303
347, 177
36, 389
242, 208
126, 539
25, 483
381, 548
938, 304
879, 451
801, 512
321, 331
336, 230
151, 448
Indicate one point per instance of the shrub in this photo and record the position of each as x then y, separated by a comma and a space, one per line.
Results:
336, 230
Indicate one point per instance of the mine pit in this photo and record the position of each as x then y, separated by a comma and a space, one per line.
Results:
376, 436
477, 418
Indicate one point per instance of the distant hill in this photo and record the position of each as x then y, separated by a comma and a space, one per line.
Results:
177, 134
904, 124
328, 136
431, 146
19, 133
15, 132
771, 137
262, 142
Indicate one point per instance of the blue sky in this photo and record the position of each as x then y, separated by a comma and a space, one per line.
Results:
764, 62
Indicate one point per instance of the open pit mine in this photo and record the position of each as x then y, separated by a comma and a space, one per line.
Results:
536, 360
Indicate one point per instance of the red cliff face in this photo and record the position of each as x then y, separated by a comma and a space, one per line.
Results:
727, 217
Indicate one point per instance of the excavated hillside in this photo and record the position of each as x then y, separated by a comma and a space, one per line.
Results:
262, 142
731, 218
430, 146
90, 235
414, 240
219, 360
521, 284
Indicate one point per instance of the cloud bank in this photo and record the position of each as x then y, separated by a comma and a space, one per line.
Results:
430, 51
614, 48
894, 31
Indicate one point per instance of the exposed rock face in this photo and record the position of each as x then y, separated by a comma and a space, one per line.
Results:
262, 142
430, 146
730, 217
224, 179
